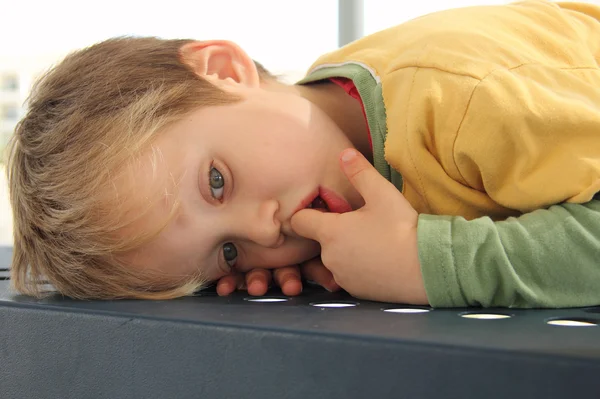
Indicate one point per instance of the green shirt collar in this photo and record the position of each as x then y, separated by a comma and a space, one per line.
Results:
368, 85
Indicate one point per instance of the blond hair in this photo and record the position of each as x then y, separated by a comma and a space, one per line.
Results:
87, 118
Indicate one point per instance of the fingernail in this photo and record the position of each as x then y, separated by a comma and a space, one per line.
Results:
348, 155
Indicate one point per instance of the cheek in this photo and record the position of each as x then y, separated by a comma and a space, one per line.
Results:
292, 252
271, 179
279, 159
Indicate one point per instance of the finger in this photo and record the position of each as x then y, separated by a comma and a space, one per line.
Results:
227, 284
314, 270
312, 224
363, 176
258, 281
288, 278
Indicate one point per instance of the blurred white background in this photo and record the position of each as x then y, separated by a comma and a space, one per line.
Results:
285, 36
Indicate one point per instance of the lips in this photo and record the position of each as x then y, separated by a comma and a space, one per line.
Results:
306, 203
334, 202
325, 200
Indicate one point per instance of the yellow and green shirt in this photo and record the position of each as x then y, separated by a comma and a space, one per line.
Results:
488, 120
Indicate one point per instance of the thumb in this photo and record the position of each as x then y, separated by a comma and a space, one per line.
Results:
363, 176
310, 223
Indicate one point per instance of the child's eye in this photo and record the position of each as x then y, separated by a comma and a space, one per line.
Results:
230, 254
216, 181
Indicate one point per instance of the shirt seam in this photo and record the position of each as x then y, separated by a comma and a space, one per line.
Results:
482, 80
410, 153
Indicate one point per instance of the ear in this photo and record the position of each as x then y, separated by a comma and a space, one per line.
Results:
220, 59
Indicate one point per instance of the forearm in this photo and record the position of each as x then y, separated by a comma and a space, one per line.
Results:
547, 258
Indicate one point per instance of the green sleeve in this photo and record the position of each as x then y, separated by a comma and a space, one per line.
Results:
546, 258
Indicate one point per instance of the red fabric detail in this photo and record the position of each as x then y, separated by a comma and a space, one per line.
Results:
350, 88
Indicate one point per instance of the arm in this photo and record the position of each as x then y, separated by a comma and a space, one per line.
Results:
546, 258
528, 140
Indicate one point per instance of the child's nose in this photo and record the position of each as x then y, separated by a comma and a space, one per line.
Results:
263, 227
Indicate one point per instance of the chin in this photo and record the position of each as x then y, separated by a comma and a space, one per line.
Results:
313, 255
311, 252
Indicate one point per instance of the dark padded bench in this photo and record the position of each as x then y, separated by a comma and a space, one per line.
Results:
212, 347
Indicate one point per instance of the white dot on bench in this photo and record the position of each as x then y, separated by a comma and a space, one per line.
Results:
334, 304
572, 323
406, 310
267, 300
485, 316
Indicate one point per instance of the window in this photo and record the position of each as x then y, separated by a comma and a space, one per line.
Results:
9, 112
9, 83
381, 14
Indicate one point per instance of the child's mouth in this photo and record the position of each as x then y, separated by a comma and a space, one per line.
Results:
325, 200
318, 203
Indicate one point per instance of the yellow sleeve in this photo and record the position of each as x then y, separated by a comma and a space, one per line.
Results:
530, 136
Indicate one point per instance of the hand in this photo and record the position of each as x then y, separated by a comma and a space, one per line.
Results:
257, 281
371, 252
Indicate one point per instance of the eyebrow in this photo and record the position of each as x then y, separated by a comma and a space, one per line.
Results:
200, 262
201, 179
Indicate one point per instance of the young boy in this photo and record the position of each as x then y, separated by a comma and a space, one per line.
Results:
145, 168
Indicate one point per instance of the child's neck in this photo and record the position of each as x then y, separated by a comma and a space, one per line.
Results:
344, 110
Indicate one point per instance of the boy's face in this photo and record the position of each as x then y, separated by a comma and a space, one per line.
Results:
240, 171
